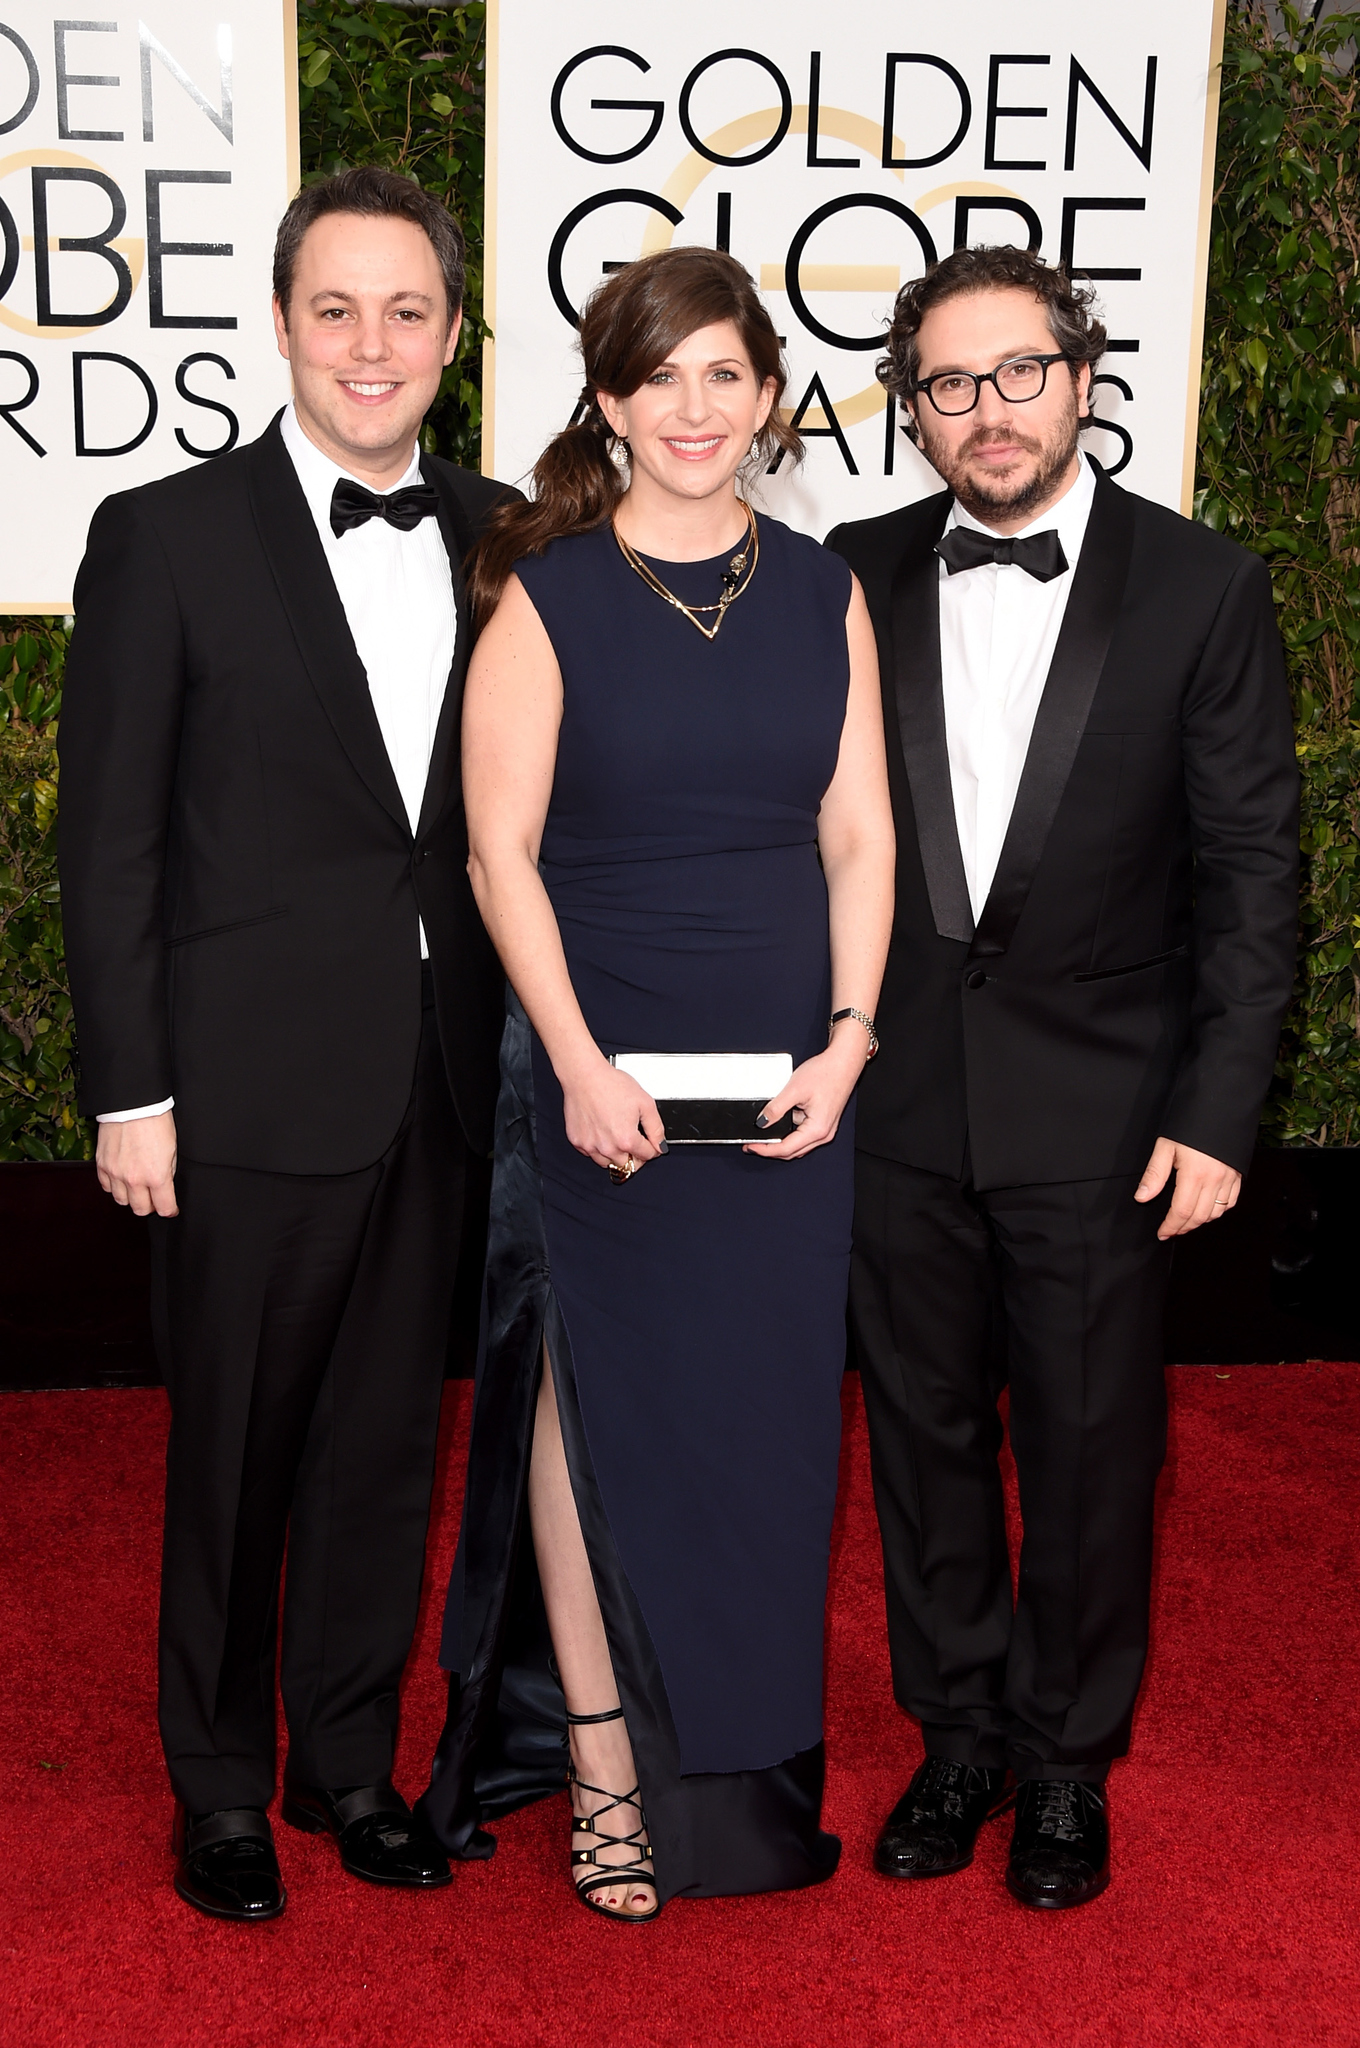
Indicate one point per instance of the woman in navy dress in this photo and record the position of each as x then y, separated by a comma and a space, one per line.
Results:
681, 842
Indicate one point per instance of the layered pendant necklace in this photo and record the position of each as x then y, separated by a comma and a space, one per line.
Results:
736, 578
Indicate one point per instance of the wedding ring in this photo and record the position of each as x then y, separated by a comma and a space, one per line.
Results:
619, 1174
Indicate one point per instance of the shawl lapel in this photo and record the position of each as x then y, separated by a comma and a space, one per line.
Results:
919, 693
1074, 674
458, 541
307, 590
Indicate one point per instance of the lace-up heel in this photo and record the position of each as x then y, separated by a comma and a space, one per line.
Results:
608, 1876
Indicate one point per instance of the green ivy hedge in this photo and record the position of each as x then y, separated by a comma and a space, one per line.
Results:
1278, 471
382, 85
37, 1081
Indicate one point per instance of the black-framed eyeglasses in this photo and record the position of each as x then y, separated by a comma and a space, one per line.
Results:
953, 392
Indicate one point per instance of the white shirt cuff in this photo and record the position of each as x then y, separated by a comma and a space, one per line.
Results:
132, 1116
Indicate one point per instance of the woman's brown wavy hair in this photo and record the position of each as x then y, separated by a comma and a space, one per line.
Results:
629, 326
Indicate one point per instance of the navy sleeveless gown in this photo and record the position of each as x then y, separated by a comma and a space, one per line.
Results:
695, 1316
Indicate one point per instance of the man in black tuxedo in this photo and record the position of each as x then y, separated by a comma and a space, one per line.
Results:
288, 1016
1095, 789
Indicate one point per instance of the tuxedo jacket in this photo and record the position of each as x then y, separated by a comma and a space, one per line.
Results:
241, 888
1130, 968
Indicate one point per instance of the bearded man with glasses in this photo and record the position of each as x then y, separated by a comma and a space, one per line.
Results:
1095, 793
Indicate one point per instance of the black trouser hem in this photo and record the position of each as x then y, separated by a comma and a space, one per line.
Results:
1028, 1772
968, 1746
981, 1752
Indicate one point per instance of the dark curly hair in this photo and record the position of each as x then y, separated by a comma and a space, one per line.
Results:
1067, 307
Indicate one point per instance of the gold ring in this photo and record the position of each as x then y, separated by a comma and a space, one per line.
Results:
619, 1174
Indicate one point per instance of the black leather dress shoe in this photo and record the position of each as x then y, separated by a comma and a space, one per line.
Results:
380, 1839
1060, 1852
934, 1826
225, 1864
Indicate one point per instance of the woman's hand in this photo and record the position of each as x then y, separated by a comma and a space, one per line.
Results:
610, 1118
817, 1093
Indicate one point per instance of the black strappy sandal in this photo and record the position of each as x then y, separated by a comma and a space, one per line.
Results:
608, 1875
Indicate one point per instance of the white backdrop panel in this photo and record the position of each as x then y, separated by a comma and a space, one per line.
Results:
833, 152
145, 159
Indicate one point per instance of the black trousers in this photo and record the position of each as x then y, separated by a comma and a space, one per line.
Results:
1060, 1290
303, 1326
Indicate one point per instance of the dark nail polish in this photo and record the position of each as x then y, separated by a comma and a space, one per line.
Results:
664, 1146
762, 1122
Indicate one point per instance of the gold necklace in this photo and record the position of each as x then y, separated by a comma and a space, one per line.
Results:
736, 578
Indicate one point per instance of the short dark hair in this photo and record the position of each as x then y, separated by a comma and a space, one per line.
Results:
1067, 307
368, 189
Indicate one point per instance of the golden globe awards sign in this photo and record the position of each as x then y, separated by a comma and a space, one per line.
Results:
836, 151
145, 158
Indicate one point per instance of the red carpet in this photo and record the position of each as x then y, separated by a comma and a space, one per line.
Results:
1248, 1742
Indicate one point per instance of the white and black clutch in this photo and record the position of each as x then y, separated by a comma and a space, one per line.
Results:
711, 1098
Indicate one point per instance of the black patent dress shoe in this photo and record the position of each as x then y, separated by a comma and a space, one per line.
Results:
1060, 1852
934, 1826
379, 1837
225, 1863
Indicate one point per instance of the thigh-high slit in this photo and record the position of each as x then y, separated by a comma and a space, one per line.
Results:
505, 1739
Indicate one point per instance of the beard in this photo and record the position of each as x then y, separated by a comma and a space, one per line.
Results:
1025, 490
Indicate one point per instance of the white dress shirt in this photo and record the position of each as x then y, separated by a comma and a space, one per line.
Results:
398, 599
998, 629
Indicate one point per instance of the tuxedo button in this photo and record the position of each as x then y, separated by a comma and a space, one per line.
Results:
977, 979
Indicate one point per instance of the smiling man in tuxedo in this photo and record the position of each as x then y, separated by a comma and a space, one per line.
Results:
288, 1015
1095, 789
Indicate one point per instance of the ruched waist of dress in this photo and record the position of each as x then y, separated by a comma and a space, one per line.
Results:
666, 831
568, 861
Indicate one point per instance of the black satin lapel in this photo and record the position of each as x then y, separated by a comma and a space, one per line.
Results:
298, 561
920, 722
458, 540
453, 521
1074, 674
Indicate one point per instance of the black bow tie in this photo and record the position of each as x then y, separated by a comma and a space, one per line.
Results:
351, 505
1040, 555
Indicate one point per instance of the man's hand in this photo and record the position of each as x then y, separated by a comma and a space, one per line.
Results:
136, 1164
1205, 1188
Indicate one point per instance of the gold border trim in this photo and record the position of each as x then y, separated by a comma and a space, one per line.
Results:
292, 113
489, 235
1201, 272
